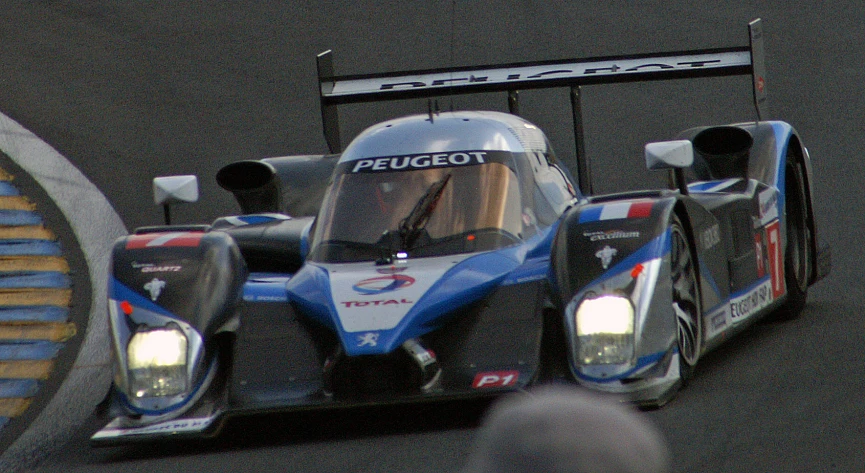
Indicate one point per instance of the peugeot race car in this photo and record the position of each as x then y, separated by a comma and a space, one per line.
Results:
451, 254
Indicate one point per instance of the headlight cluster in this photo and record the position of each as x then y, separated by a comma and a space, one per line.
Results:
605, 330
157, 362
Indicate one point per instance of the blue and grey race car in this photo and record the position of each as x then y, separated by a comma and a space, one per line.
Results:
451, 254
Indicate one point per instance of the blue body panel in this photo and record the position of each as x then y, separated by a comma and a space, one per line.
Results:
466, 283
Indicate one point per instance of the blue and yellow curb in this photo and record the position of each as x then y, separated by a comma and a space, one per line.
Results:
35, 299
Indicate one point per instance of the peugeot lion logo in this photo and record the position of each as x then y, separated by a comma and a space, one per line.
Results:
367, 339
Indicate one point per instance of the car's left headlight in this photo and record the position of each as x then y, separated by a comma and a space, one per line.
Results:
605, 330
157, 362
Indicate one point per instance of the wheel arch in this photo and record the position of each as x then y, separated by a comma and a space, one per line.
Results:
797, 153
680, 210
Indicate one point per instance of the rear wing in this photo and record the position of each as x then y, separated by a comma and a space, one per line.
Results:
511, 78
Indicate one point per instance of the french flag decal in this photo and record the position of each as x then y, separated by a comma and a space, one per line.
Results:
618, 210
150, 240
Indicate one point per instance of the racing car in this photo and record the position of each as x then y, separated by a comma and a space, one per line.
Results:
451, 254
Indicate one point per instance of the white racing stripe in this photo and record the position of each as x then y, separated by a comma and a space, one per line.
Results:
79, 200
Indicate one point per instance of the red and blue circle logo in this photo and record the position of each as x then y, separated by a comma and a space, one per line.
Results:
382, 284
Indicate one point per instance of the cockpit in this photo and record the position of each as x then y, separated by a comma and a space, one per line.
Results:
421, 212
447, 200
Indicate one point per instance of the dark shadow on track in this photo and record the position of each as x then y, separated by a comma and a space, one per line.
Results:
297, 428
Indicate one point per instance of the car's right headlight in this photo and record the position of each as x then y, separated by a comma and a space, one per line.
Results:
157, 360
605, 330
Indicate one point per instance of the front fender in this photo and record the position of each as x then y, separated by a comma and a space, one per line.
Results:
172, 280
618, 247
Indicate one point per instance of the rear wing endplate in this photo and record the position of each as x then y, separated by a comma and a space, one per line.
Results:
511, 78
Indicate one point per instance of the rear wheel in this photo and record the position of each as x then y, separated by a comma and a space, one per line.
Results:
686, 300
797, 257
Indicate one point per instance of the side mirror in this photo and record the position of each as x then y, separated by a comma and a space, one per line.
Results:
669, 154
675, 155
169, 190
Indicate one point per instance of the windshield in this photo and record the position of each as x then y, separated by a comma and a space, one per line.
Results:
421, 212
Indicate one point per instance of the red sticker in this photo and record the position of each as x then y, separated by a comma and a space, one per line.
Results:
152, 240
640, 209
495, 379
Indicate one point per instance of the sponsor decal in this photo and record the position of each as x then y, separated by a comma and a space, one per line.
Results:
421, 161
529, 73
719, 321
495, 379
768, 206
423, 356
180, 425
153, 268
161, 269
618, 210
758, 250
264, 298
606, 256
379, 302
751, 302
151, 240
382, 284
610, 235
710, 237
368, 339
154, 287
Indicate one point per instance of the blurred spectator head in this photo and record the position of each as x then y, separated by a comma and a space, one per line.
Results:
566, 429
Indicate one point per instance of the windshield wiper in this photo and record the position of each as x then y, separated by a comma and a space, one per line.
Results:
411, 227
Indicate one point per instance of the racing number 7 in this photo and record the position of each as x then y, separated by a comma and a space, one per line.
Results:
776, 261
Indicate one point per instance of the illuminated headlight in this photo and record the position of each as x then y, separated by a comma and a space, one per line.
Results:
157, 363
605, 330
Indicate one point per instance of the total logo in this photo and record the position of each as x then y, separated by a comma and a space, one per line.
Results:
382, 284
349, 304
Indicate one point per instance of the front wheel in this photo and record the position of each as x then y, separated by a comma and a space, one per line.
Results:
686, 300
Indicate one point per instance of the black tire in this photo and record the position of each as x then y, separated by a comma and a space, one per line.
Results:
686, 300
797, 256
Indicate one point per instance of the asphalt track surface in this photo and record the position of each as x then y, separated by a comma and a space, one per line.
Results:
129, 90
